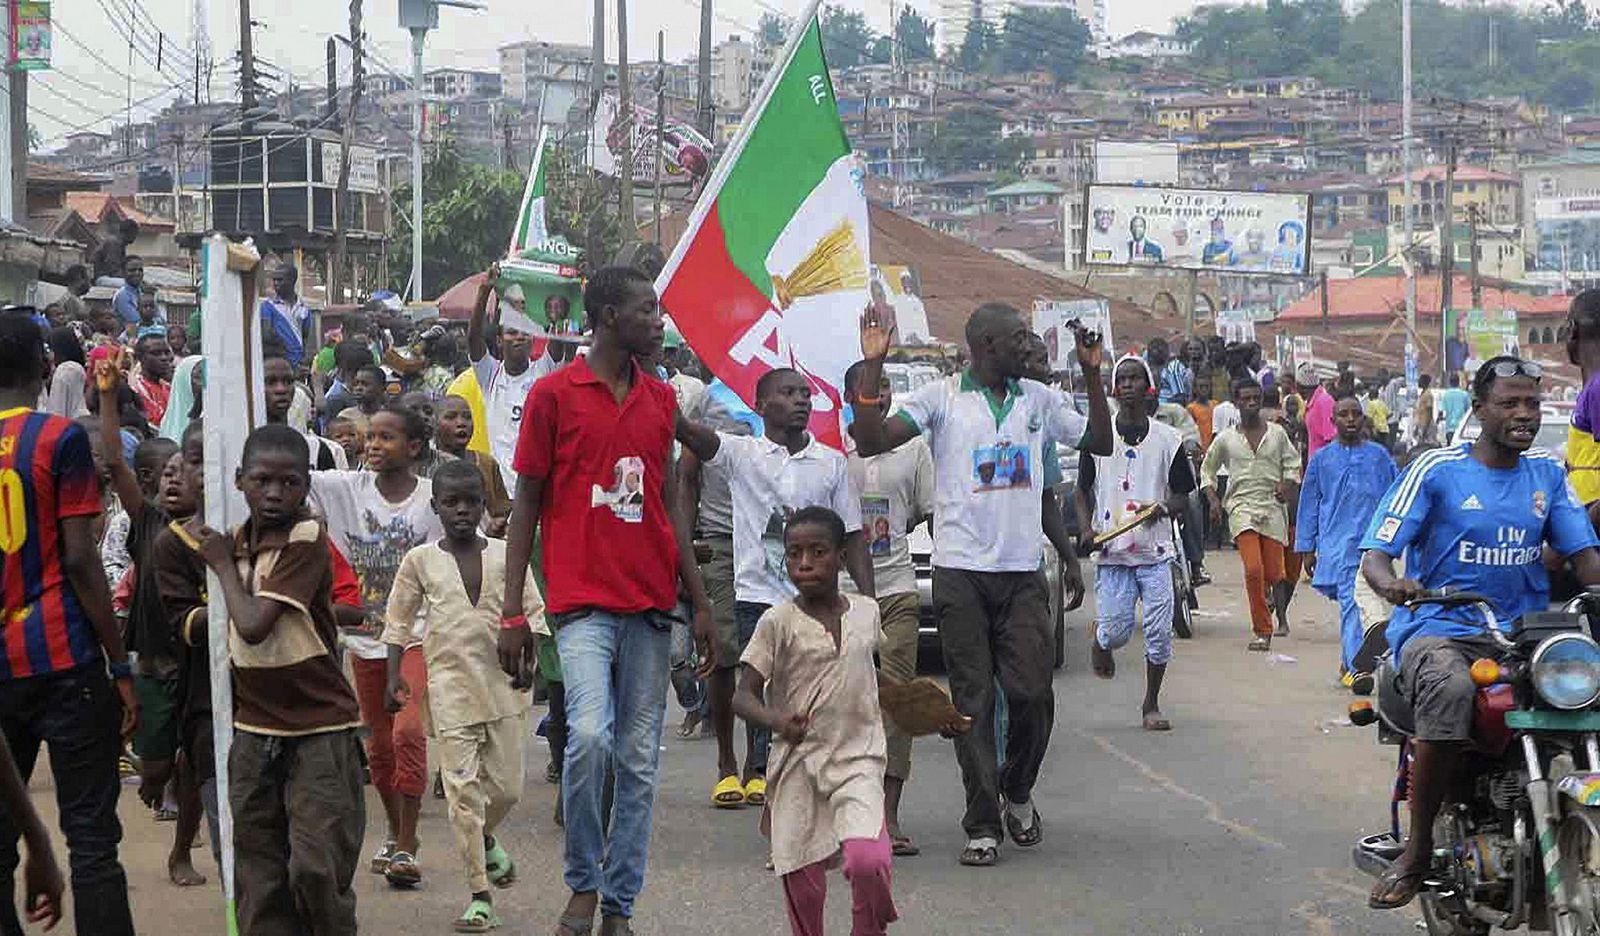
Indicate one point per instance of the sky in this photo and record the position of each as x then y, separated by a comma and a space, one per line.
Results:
89, 85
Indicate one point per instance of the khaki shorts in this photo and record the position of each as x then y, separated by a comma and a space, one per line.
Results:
717, 574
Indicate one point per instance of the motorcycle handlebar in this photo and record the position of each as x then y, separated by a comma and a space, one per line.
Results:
1448, 596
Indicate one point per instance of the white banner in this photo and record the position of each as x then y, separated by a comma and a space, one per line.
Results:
685, 154
233, 404
1194, 229
363, 167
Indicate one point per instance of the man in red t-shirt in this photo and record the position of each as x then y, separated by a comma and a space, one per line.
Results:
59, 638
594, 467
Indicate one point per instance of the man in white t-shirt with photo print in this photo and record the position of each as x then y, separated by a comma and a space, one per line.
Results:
987, 428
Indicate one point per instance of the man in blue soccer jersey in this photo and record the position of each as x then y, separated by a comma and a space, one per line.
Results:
1472, 517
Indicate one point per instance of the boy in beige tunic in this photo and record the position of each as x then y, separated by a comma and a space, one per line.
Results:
813, 655
478, 721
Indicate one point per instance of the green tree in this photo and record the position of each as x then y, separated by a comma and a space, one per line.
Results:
847, 40
969, 139
914, 32
772, 29
1051, 39
978, 48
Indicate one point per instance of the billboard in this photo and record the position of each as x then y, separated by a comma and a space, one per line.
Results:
1197, 229
1568, 233
1136, 163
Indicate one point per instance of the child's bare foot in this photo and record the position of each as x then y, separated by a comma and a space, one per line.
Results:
182, 871
1104, 664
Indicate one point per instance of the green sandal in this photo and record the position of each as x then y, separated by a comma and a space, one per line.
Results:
498, 865
479, 917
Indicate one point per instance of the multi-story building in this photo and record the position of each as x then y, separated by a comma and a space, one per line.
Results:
1561, 202
1286, 87
546, 78
1144, 45
1495, 197
1194, 114
455, 83
733, 80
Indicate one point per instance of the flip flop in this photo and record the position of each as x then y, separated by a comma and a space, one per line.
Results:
903, 847
1362, 684
611, 925
755, 792
380, 861
728, 793
1260, 645
479, 917
574, 926
1025, 838
980, 856
403, 871
498, 865
1395, 889
1154, 721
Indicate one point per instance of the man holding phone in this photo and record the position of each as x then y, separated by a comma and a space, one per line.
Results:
987, 427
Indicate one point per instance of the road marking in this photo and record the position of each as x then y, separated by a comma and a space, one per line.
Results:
1213, 811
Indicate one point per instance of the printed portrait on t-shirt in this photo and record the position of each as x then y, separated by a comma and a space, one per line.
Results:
875, 521
1001, 467
625, 497
376, 550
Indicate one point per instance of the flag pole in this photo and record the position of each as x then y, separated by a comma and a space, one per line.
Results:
708, 194
527, 193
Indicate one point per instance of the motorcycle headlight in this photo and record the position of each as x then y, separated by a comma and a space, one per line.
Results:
1566, 671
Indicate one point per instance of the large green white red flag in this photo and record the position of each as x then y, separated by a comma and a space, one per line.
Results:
531, 230
772, 270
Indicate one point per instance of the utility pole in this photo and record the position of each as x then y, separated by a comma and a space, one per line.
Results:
331, 108
597, 76
8, 215
702, 111
625, 110
661, 118
337, 272
247, 60
1447, 256
18, 93
1477, 284
1406, 200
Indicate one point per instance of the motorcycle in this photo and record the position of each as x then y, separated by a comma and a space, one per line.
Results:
1517, 842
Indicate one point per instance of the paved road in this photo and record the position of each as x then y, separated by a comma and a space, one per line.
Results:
1238, 823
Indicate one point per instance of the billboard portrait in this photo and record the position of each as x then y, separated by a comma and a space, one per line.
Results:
1050, 318
1197, 229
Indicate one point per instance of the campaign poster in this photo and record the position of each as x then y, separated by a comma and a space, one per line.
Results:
685, 154
1050, 318
900, 288
1197, 229
30, 35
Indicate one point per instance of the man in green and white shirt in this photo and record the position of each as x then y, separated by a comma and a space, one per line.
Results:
987, 428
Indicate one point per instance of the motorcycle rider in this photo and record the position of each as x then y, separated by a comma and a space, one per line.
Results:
1474, 518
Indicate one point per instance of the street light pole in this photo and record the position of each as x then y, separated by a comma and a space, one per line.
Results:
1406, 200
417, 34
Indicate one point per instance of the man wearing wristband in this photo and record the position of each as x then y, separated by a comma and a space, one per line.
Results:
60, 638
987, 428
594, 473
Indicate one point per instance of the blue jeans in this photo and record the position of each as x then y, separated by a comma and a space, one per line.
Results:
77, 715
748, 614
1118, 589
615, 667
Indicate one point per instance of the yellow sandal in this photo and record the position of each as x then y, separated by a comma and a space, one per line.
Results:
727, 794
755, 792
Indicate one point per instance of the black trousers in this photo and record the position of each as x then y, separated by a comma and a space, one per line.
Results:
995, 626
77, 715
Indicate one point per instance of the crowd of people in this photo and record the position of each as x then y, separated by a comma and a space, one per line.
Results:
443, 524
